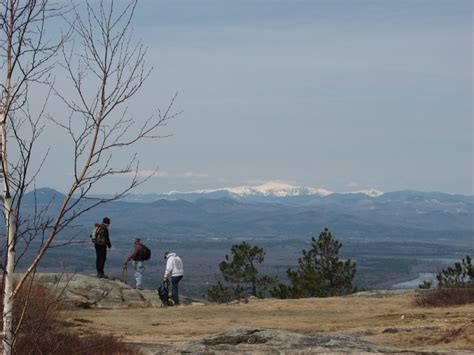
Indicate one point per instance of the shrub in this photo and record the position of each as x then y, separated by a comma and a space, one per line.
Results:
38, 318
219, 293
445, 297
425, 285
67, 344
455, 286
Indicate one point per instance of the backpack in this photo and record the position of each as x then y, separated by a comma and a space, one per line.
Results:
98, 235
164, 295
144, 253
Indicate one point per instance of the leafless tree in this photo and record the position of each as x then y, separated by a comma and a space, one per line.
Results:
105, 68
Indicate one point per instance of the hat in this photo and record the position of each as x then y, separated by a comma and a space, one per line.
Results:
136, 238
106, 220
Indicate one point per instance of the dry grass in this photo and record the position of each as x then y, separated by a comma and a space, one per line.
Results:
60, 343
461, 331
445, 297
41, 329
391, 320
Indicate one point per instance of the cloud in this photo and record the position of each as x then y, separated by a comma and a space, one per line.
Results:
353, 184
186, 175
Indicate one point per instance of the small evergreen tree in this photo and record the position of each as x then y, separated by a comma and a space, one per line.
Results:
219, 293
455, 286
240, 272
459, 275
320, 273
425, 285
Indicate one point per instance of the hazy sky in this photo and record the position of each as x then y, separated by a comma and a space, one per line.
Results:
343, 95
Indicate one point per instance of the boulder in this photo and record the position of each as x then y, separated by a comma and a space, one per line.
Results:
76, 290
256, 340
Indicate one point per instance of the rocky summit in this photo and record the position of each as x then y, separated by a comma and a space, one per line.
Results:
83, 291
367, 322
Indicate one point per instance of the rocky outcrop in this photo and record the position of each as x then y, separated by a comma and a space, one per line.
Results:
257, 340
383, 293
76, 290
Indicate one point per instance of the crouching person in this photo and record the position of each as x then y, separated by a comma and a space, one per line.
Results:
138, 263
174, 272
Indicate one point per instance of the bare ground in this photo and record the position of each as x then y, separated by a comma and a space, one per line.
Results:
391, 320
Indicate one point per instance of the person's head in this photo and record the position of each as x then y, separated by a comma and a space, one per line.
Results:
136, 239
166, 254
106, 221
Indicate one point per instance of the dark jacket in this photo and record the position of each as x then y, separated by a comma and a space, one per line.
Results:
107, 239
136, 252
105, 232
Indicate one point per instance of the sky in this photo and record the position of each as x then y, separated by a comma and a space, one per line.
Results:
337, 94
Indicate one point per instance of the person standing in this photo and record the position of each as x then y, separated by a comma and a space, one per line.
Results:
174, 270
100, 238
138, 263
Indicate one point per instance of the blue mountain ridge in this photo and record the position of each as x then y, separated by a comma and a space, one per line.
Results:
403, 213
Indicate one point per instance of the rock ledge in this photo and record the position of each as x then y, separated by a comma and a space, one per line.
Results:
259, 340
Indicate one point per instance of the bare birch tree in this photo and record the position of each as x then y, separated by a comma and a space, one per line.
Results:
105, 68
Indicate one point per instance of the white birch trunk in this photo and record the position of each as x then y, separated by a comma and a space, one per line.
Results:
10, 225
8, 297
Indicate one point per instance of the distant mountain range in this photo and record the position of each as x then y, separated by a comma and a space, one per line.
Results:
268, 192
278, 209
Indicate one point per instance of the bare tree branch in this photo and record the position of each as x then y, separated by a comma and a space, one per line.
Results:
105, 69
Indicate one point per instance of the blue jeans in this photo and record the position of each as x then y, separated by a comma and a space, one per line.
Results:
174, 288
139, 268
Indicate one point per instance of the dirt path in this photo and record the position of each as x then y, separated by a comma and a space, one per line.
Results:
392, 320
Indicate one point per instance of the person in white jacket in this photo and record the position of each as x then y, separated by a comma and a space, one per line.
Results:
174, 272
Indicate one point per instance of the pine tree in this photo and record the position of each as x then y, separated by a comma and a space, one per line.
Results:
241, 275
320, 273
459, 275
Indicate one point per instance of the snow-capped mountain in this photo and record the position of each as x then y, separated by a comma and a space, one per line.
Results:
368, 192
270, 191
275, 189
280, 209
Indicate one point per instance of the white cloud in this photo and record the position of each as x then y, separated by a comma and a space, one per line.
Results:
187, 175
